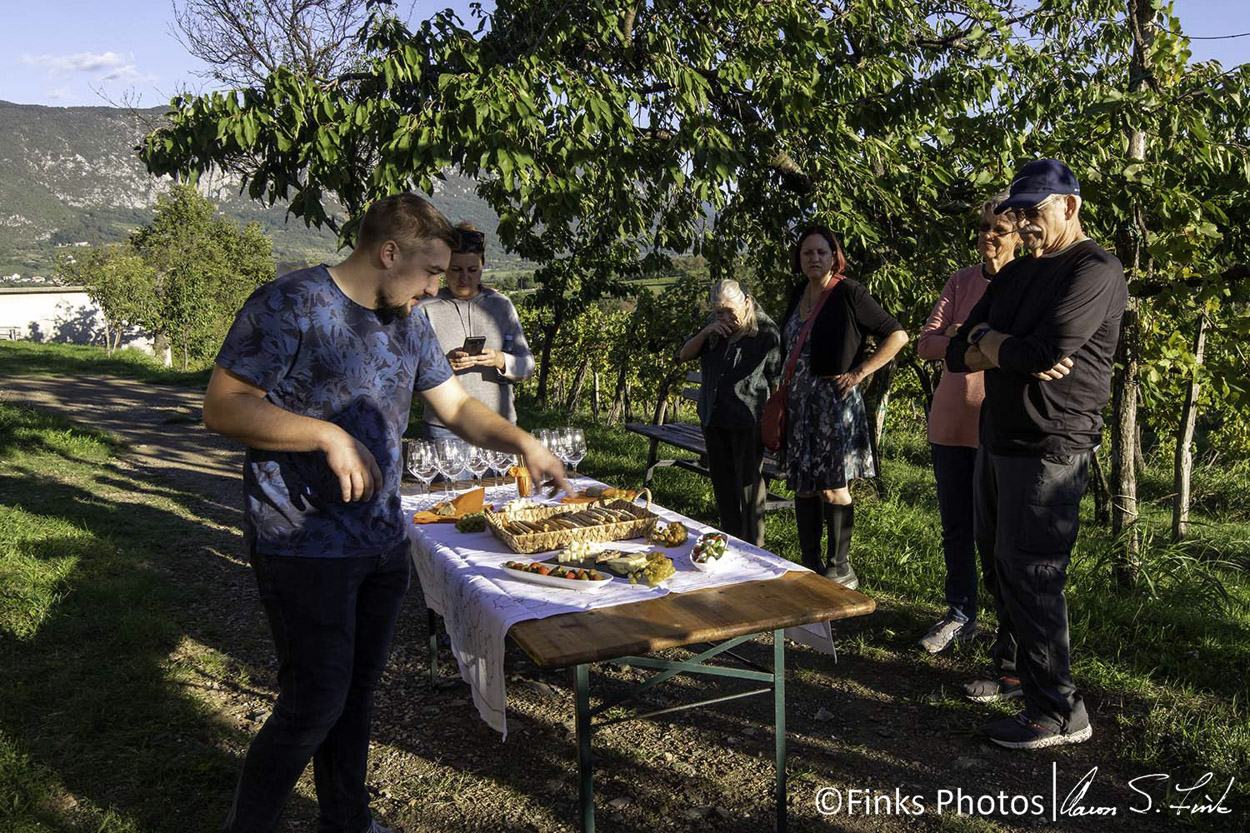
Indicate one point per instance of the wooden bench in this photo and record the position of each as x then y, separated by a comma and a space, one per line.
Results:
689, 437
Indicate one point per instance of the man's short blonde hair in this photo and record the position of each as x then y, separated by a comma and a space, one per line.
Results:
412, 222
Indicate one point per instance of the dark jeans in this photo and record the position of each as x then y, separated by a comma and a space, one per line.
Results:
735, 461
332, 621
1028, 512
954, 467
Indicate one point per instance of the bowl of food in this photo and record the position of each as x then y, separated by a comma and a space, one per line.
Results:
710, 551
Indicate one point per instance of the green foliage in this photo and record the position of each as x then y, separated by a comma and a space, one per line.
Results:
120, 282
610, 136
204, 269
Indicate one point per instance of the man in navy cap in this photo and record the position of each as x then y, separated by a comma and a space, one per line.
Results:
1045, 332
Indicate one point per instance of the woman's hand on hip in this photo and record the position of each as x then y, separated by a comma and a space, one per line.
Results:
847, 380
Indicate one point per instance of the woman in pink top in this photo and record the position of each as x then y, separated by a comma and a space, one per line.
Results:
953, 427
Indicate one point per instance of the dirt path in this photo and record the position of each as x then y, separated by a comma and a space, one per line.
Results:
884, 717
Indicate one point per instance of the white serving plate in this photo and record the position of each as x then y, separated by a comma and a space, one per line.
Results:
712, 565
566, 583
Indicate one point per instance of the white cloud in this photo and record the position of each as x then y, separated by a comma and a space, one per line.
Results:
82, 62
59, 93
128, 75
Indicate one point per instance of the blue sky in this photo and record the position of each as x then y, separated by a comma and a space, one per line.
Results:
87, 52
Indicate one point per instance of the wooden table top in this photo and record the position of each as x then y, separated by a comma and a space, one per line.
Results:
712, 615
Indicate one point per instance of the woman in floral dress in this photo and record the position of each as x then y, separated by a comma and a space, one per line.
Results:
826, 438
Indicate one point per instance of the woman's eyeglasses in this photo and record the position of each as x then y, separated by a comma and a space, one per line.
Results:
996, 230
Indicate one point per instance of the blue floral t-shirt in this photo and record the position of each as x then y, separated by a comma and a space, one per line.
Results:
319, 354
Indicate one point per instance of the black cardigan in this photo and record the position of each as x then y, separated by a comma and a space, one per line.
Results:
838, 336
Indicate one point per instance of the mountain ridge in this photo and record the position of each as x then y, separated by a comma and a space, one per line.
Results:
69, 175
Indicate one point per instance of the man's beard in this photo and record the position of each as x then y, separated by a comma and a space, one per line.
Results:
387, 312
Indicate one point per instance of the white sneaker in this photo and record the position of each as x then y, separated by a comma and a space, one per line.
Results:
947, 630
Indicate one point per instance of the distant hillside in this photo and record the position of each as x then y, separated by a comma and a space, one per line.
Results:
69, 175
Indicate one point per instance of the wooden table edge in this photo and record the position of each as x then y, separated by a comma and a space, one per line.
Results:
526, 633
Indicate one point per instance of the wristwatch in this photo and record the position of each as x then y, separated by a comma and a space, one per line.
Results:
978, 335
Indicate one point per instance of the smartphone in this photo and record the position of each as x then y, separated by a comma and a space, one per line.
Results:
473, 345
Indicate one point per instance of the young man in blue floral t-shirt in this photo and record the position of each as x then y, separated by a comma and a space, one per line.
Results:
316, 377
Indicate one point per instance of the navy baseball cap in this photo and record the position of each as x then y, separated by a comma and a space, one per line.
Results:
1036, 181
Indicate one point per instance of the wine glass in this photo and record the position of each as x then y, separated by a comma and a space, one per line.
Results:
560, 445
501, 461
452, 456
576, 446
422, 463
479, 461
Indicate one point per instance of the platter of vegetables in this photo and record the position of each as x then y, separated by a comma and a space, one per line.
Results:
555, 575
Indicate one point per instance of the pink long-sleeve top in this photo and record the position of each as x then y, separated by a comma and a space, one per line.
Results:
956, 412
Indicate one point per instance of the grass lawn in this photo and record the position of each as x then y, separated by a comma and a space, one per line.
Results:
97, 731
100, 728
30, 358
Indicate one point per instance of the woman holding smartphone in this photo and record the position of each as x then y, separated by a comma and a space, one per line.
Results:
480, 332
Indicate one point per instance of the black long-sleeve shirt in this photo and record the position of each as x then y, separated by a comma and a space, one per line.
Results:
1066, 305
838, 336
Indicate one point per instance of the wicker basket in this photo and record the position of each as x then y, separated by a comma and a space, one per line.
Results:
641, 526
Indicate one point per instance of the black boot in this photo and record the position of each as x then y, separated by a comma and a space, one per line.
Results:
841, 523
807, 515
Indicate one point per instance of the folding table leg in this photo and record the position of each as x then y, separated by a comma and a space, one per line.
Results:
779, 723
432, 626
585, 764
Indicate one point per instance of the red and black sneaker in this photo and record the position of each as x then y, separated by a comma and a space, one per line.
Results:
1029, 731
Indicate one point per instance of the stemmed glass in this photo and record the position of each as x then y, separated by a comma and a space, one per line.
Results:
560, 445
501, 461
576, 446
479, 461
422, 462
453, 456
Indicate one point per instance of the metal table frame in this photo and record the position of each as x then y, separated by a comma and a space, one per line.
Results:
774, 681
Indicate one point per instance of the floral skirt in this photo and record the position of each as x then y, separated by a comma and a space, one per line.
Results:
826, 444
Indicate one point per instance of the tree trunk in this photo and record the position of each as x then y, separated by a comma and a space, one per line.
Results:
877, 401
1184, 459
1098, 485
1141, 15
594, 402
1123, 458
661, 399
549, 338
617, 411
579, 381
629, 402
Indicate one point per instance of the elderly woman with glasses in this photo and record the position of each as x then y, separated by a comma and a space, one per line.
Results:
480, 332
954, 421
739, 354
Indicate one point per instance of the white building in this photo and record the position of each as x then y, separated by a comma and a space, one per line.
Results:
56, 313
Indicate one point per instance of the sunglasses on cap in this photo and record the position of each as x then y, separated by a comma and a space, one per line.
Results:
470, 241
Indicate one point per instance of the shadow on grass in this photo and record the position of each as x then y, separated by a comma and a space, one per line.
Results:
96, 702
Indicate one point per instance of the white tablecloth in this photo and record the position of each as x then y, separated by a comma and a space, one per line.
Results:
463, 580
